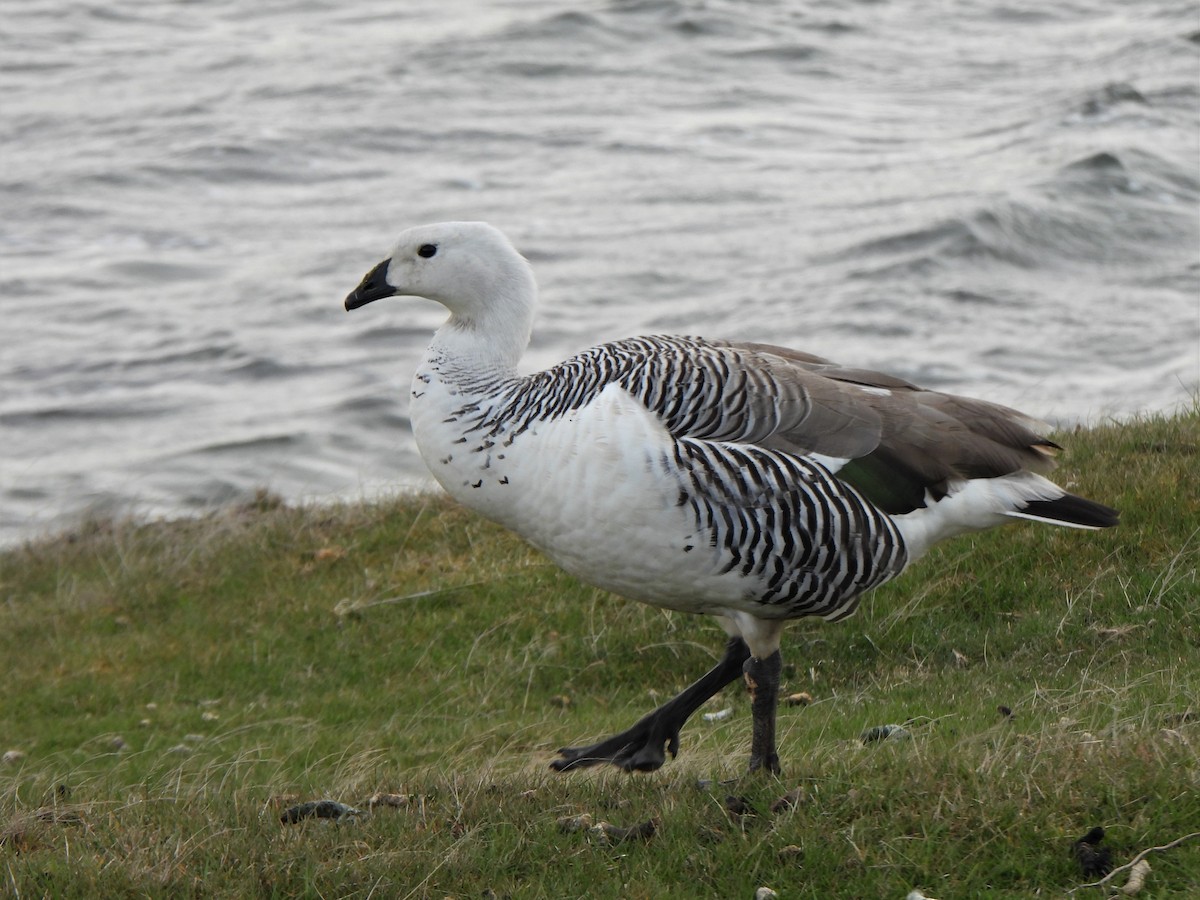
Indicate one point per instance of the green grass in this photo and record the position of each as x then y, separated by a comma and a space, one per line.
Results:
174, 686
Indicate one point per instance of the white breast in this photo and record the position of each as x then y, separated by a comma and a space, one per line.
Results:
594, 489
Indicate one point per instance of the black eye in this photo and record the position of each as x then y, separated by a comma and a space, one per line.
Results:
427, 250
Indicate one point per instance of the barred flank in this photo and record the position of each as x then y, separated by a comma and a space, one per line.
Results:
808, 543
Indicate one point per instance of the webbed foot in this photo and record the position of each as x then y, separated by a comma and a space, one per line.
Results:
644, 747
639, 749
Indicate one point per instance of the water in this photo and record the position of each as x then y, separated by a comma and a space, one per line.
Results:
990, 197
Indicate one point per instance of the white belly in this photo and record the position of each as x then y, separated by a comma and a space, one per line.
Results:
593, 489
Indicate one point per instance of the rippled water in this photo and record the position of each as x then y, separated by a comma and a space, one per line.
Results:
996, 198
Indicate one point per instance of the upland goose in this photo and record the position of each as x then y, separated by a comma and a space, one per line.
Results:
749, 482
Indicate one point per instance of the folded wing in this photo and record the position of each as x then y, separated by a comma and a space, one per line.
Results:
897, 443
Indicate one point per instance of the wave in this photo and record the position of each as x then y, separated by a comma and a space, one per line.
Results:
1119, 207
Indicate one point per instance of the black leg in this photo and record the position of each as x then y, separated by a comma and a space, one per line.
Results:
640, 748
762, 680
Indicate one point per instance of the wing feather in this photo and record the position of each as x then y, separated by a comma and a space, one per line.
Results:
901, 442
897, 443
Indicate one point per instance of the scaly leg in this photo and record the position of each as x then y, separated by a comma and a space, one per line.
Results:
640, 748
762, 680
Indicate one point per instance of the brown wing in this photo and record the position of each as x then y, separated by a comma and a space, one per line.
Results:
902, 440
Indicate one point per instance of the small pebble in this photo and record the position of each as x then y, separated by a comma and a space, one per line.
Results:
13, 756
765, 893
719, 715
118, 743
885, 733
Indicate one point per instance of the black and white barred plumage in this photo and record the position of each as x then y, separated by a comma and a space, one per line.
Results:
813, 543
807, 543
746, 481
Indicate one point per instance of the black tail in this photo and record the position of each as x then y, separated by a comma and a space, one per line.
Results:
1071, 510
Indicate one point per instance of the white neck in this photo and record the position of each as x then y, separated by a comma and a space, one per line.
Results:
488, 338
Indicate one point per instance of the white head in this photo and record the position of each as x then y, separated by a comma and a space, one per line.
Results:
468, 267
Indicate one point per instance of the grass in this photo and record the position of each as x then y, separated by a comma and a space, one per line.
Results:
170, 688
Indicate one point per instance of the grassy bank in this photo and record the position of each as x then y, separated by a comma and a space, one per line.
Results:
170, 689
